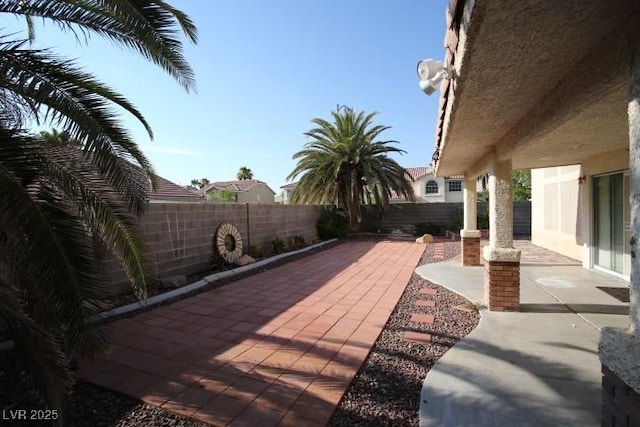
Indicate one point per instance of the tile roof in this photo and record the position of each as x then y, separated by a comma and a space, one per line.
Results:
289, 186
169, 191
165, 190
416, 173
239, 185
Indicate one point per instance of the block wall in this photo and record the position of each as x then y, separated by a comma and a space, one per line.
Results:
180, 235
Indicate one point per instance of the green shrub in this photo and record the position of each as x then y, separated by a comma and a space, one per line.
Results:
483, 220
255, 252
332, 224
278, 245
427, 228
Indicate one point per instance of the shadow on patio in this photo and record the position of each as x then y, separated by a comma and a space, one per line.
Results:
276, 347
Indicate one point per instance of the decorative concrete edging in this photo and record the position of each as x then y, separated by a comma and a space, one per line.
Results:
157, 299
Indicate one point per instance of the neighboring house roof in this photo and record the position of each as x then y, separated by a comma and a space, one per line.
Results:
289, 186
416, 173
240, 185
169, 191
80, 161
419, 172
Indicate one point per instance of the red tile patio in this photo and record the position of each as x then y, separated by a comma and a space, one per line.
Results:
276, 348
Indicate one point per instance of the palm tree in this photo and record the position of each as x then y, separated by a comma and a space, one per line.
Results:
345, 165
244, 173
58, 138
61, 206
200, 183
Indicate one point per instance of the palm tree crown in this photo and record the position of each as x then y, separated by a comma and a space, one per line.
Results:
244, 173
345, 165
60, 206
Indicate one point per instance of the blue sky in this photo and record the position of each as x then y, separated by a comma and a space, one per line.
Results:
264, 70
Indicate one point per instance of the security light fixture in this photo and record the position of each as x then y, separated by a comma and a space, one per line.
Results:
431, 73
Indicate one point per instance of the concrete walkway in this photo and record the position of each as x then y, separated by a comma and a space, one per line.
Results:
539, 367
276, 348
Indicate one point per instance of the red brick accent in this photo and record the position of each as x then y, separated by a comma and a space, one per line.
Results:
425, 303
422, 318
470, 251
428, 291
417, 337
502, 285
620, 403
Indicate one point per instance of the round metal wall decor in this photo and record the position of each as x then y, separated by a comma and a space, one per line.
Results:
228, 242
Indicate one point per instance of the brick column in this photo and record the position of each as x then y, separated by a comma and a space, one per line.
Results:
502, 261
502, 285
470, 247
470, 234
619, 348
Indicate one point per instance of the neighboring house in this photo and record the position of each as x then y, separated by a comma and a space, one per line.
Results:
429, 188
555, 88
286, 192
167, 191
246, 191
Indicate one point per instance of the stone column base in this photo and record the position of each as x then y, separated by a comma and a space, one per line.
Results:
470, 247
620, 357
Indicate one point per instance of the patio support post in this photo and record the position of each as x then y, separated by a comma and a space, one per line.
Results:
620, 348
470, 234
502, 266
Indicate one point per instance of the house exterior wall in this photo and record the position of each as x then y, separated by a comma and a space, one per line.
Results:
258, 193
180, 235
443, 194
562, 218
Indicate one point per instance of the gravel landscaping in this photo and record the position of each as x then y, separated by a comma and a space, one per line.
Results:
385, 391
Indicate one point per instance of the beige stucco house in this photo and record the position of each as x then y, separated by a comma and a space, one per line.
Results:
430, 188
246, 191
287, 190
553, 87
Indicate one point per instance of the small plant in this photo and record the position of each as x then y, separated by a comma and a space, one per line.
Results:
296, 242
255, 252
423, 228
332, 224
278, 245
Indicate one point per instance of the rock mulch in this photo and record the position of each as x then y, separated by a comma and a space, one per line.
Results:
385, 391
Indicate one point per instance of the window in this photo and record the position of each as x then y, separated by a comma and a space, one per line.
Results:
455, 185
431, 187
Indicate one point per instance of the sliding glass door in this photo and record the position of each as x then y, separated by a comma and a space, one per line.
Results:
609, 221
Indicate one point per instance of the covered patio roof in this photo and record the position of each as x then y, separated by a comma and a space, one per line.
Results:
543, 83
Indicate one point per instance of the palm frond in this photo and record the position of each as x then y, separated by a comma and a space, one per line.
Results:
150, 28
38, 352
81, 105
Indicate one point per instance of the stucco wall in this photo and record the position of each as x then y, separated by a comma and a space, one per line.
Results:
180, 235
563, 207
259, 193
556, 222
443, 195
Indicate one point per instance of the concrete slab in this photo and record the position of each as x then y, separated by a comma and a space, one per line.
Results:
536, 367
